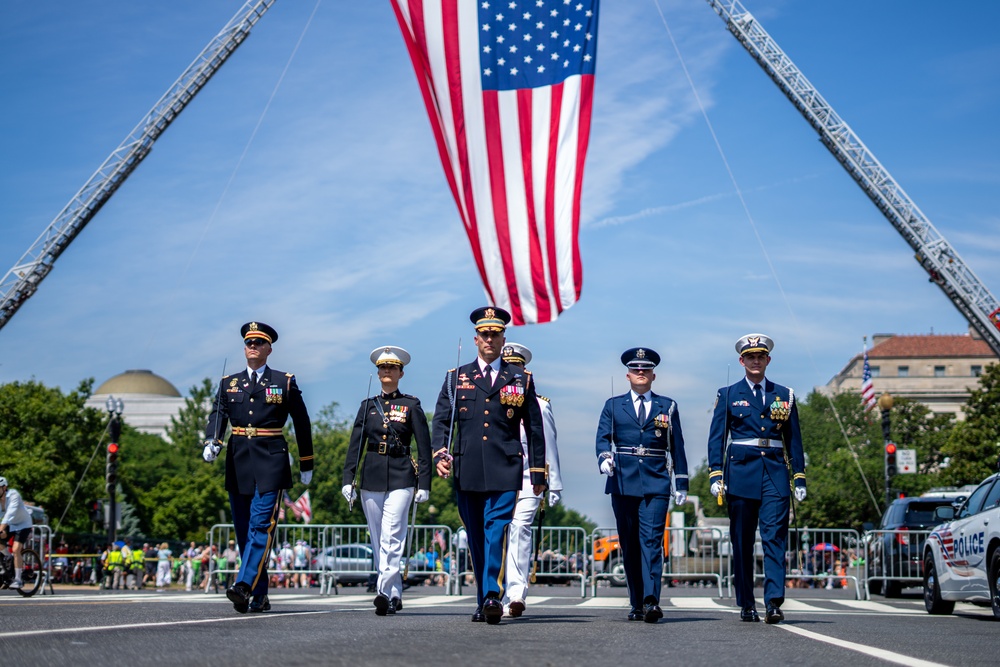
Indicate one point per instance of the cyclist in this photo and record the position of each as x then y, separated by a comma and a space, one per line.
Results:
17, 522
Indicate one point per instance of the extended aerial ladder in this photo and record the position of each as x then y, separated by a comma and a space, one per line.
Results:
22, 281
934, 253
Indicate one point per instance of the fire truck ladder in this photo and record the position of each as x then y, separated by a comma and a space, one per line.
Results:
21, 281
933, 252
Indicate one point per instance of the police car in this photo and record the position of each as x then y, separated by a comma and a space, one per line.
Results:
962, 556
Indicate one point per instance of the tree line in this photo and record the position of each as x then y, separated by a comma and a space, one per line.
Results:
52, 449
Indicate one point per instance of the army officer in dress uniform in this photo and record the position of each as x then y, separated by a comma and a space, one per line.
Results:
640, 447
257, 402
488, 401
753, 470
518, 566
380, 446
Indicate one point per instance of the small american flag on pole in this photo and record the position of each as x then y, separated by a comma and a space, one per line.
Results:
509, 86
867, 390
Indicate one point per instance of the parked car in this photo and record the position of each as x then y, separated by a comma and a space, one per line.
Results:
899, 553
353, 563
962, 556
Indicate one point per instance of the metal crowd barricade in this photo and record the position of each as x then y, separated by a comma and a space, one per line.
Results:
430, 556
314, 536
893, 560
819, 558
696, 555
562, 556
41, 541
604, 558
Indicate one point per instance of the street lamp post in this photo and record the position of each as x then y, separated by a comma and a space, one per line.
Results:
114, 407
885, 405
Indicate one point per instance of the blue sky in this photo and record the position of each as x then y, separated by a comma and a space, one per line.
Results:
332, 220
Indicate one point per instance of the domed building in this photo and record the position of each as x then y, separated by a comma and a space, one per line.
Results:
149, 401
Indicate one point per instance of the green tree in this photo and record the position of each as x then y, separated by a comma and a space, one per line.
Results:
47, 441
973, 449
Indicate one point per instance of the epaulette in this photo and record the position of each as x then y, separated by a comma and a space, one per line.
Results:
452, 370
226, 377
527, 372
402, 395
544, 398
289, 375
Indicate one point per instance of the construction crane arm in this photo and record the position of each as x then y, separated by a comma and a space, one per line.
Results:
23, 279
942, 262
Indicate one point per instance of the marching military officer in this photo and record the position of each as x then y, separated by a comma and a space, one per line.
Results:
640, 447
518, 566
389, 479
762, 420
488, 401
256, 403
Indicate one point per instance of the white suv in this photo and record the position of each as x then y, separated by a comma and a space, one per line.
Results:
962, 556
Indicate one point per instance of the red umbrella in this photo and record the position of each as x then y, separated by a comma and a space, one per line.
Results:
826, 546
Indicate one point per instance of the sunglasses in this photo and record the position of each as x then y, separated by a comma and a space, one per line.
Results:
254, 342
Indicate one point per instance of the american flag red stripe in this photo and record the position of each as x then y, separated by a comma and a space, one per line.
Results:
512, 135
867, 388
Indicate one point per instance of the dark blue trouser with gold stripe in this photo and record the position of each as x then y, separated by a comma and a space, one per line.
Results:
254, 518
486, 517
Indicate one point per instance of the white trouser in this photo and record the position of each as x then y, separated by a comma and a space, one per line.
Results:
386, 513
162, 573
517, 568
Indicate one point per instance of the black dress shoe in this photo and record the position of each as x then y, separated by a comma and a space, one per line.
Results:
774, 615
492, 610
749, 615
259, 604
239, 595
478, 616
636, 614
397, 604
651, 613
382, 604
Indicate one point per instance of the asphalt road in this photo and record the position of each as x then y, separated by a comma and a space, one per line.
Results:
85, 626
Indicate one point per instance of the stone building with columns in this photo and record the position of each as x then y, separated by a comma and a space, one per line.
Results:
936, 370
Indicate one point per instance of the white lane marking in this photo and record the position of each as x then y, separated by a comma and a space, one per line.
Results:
798, 605
699, 603
127, 626
606, 603
882, 654
868, 605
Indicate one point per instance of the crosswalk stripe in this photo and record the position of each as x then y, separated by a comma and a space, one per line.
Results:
868, 605
698, 603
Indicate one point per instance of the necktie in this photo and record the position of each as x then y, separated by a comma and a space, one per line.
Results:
488, 374
642, 409
756, 391
253, 380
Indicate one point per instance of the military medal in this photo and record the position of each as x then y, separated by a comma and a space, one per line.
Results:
397, 413
233, 382
658, 433
272, 395
780, 410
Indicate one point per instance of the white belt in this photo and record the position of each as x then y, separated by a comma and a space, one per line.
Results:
760, 442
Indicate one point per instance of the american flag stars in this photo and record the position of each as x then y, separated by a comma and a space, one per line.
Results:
535, 43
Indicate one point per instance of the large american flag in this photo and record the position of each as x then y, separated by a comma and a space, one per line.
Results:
867, 390
508, 86
301, 508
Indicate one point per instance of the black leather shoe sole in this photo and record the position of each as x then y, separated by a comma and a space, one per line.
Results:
381, 605
239, 597
774, 615
493, 611
652, 614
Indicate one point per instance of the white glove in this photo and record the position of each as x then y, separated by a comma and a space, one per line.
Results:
421, 496
800, 493
349, 493
306, 476
680, 497
211, 451
554, 498
717, 489
608, 467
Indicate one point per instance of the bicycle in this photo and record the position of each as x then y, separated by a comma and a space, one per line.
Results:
31, 575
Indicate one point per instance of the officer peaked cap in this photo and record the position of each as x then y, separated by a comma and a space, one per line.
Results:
640, 357
516, 353
755, 342
390, 354
259, 330
490, 318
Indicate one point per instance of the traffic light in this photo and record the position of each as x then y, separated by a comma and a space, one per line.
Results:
111, 470
97, 511
890, 459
